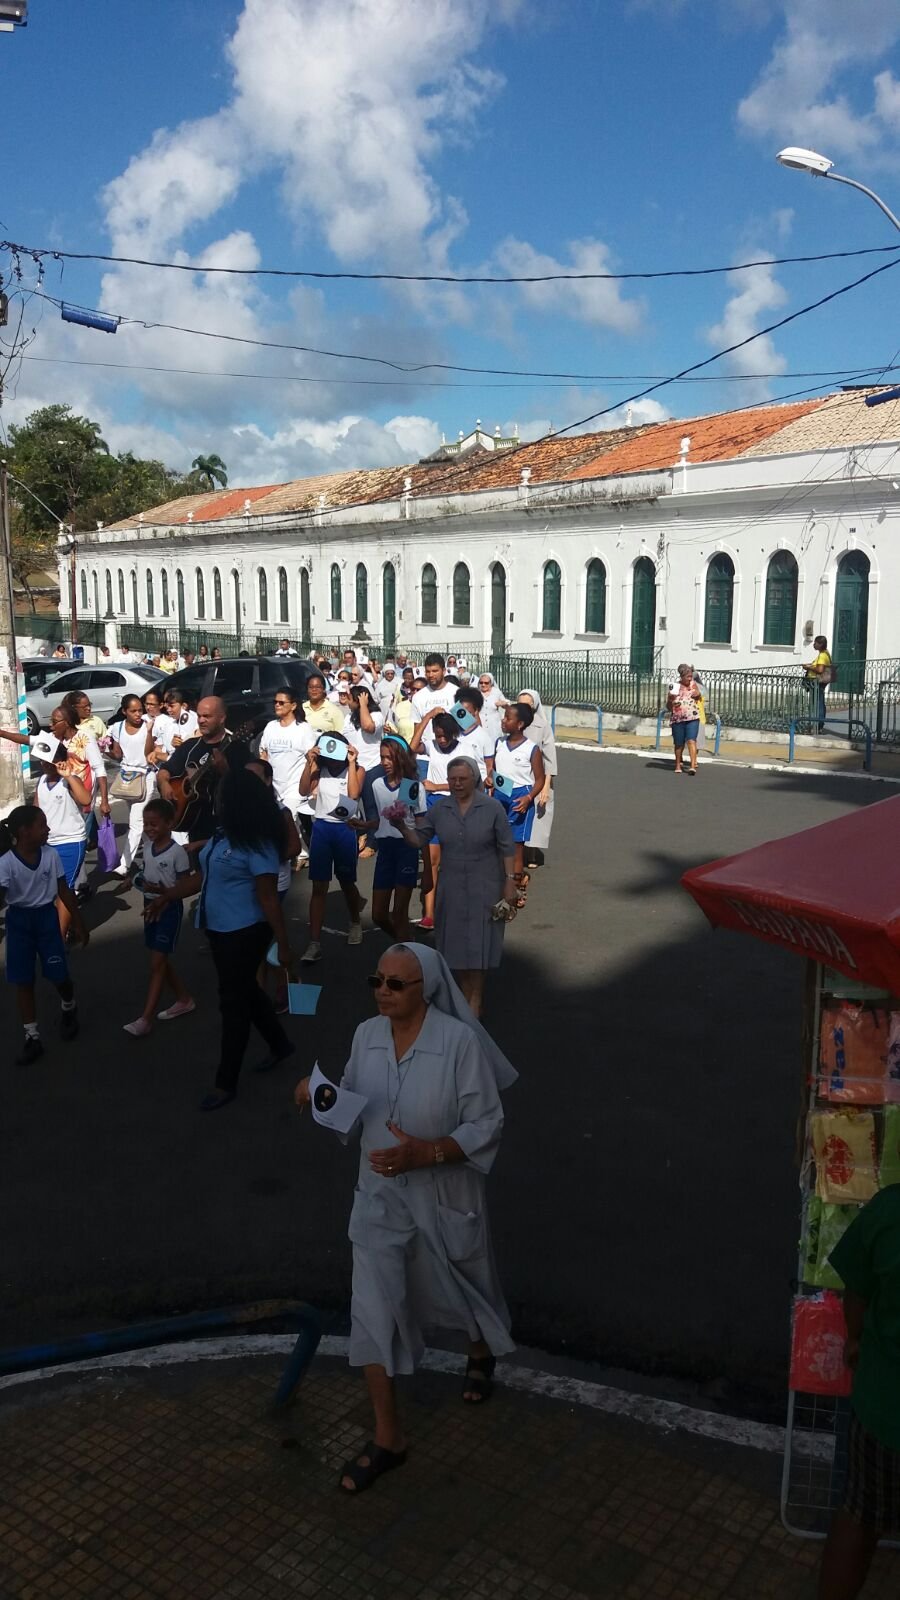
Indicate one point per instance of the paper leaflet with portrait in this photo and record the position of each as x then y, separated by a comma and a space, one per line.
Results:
334, 1108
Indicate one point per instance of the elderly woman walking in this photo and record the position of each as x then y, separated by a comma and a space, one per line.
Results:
477, 875
422, 1253
683, 705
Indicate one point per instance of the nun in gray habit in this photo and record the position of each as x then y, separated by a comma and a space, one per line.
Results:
430, 1131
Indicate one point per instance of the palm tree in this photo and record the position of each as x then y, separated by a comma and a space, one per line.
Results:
211, 470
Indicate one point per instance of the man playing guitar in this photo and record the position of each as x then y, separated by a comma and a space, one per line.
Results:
190, 776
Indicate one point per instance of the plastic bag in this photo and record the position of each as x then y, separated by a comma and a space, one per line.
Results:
825, 1225
853, 1051
107, 849
844, 1145
889, 1166
817, 1346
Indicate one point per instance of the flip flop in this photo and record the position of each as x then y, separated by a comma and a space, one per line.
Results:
478, 1380
380, 1462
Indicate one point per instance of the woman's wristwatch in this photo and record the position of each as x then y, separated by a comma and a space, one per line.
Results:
438, 1155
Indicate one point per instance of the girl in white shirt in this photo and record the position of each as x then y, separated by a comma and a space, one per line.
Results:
363, 727
176, 723
62, 797
132, 748
32, 879
518, 780
284, 743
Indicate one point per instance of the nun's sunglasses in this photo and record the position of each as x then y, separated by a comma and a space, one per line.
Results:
375, 981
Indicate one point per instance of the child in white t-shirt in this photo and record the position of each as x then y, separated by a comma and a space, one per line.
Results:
33, 879
164, 863
333, 778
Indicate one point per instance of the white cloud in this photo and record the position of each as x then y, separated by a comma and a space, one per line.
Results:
756, 292
600, 303
306, 446
799, 98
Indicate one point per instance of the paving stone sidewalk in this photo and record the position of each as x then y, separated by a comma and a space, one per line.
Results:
178, 1484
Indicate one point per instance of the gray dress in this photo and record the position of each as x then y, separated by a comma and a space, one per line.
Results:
422, 1254
471, 879
541, 732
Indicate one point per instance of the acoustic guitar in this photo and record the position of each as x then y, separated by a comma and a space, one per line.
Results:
195, 789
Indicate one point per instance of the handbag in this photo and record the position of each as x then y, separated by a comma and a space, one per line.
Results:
129, 785
107, 850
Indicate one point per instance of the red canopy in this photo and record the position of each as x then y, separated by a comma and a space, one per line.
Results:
831, 892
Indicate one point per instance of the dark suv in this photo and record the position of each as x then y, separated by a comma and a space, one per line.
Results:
247, 684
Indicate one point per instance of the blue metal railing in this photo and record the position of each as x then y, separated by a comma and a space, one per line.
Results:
168, 1330
577, 705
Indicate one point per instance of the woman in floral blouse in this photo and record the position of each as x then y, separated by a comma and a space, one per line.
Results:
683, 706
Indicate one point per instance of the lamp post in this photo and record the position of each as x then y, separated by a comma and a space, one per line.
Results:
69, 535
817, 166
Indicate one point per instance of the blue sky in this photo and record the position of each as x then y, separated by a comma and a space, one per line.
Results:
439, 136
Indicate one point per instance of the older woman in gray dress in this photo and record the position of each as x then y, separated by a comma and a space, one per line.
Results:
477, 867
422, 1253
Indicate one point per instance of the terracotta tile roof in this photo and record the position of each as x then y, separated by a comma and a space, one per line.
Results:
840, 420
228, 502
716, 437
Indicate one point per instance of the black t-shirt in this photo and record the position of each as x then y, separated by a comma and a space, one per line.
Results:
192, 759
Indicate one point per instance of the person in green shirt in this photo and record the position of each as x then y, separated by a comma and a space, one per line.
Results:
867, 1258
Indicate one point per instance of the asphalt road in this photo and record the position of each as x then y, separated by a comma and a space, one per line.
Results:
644, 1203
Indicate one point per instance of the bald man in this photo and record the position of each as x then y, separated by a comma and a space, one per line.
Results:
194, 763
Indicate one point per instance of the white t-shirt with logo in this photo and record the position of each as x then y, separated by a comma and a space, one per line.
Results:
332, 794
438, 762
384, 796
167, 866
425, 700
27, 886
478, 744
514, 763
65, 818
286, 750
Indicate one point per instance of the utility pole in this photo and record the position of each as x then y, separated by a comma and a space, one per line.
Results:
12, 788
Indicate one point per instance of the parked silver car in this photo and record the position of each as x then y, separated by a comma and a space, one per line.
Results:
103, 685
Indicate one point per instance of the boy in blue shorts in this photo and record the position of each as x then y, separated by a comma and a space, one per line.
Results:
33, 879
334, 781
518, 779
164, 863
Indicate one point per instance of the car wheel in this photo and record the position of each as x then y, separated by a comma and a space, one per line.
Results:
32, 723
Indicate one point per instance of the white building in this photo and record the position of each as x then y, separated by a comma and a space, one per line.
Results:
724, 539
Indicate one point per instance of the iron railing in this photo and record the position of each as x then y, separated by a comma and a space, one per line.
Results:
44, 625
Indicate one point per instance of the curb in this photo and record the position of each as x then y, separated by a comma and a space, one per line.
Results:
722, 761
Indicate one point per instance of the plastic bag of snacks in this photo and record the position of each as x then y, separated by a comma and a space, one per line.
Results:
817, 1346
853, 1053
844, 1146
825, 1225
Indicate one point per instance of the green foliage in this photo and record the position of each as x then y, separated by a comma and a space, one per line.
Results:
210, 470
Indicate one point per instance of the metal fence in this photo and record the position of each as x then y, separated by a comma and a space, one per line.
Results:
44, 625
865, 694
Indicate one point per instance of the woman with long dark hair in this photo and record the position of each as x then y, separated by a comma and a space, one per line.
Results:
131, 744
241, 913
397, 865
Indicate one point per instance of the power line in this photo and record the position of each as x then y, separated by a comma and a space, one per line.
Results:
43, 252
432, 383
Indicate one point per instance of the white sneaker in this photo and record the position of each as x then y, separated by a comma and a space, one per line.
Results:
313, 951
355, 935
178, 1008
139, 1028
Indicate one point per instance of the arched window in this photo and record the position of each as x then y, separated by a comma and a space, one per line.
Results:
462, 595
200, 588
305, 609
283, 613
121, 591
551, 620
164, 585
84, 592
337, 593
362, 594
595, 598
109, 604
429, 593
217, 592
780, 622
263, 583
150, 594
719, 600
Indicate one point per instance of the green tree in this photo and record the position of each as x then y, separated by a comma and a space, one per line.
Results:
63, 459
210, 470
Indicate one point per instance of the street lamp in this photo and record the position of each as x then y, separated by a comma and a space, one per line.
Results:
69, 535
817, 166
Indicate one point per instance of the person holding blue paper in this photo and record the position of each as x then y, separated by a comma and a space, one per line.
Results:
397, 797
518, 781
334, 781
422, 1256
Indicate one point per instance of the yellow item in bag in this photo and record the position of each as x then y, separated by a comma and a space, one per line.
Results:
846, 1166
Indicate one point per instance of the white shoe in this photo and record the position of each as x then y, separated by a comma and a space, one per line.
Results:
179, 1008
122, 871
313, 951
139, 1028
355, 936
